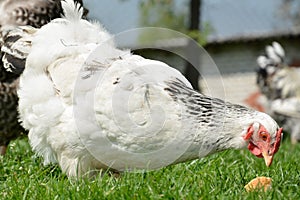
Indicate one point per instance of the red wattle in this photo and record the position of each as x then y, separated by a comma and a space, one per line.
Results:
254, 150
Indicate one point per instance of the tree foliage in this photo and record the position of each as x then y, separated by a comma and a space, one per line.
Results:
164, 13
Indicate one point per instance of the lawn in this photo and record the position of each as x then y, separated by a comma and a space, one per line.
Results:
220, 176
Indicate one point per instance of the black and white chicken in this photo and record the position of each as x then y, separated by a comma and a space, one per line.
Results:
280, 83
35, 13
89, 105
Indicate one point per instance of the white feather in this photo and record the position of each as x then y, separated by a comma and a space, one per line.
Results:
262, 61
72, 11
271, 70
278, 49
272, 54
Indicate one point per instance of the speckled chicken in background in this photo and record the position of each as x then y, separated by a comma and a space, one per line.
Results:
280, 83
19, 12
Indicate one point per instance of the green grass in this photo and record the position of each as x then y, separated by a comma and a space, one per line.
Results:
220, 176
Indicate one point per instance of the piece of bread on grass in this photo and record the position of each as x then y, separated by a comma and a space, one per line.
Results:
259, 183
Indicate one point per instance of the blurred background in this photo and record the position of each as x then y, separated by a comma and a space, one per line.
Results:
234, 33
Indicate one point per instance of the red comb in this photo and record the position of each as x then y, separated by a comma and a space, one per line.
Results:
277, 141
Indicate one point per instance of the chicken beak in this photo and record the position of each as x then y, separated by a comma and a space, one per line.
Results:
268, 158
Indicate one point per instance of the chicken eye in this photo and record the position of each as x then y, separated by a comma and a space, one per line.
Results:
264, 136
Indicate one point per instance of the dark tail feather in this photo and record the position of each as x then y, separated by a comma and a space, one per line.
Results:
16, 44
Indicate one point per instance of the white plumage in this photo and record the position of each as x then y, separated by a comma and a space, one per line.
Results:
89, 106
14, 13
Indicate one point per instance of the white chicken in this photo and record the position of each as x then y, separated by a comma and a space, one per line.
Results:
89, 106
35, 13
280, 83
